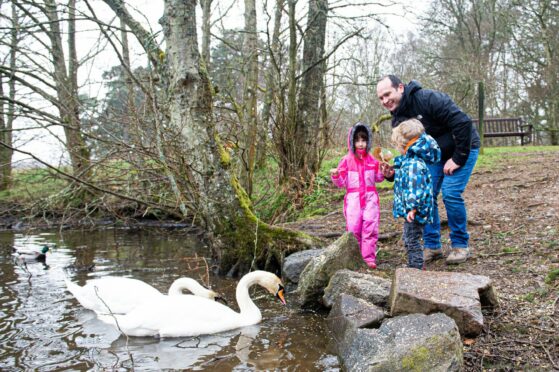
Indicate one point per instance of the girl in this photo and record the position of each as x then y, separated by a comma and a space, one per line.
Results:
413, 189
357, 172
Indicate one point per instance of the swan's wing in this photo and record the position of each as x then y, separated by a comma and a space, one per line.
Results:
120, 295
174, 316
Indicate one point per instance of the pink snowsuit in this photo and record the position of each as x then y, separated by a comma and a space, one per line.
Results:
361, 202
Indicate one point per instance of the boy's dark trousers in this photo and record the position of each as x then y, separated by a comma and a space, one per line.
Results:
413, 234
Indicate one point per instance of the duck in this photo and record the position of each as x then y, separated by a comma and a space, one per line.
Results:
119, 295
31, 254
181, 316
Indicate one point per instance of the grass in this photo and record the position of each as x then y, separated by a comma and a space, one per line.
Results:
322, 195
32, 185
491, 156
552, 276
29, 185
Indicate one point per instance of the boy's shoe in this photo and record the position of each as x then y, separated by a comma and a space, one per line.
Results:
432, 254
458, 255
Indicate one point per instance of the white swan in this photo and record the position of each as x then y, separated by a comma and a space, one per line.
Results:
122, 295
178, 316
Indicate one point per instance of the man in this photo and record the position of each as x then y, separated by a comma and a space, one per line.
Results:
459, 142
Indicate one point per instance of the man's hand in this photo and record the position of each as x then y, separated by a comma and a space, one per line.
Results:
449, 167
387, 170
411, 216
334, 172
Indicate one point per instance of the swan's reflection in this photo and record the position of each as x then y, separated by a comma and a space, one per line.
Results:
167, 353
246, 338
184, 353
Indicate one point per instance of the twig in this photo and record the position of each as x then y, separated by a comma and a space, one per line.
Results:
549, 356
255, 244
111, 314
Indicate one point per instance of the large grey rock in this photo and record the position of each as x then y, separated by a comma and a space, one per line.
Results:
295, 263
344, 253
458, 295
350, 313
407, 343
368, 287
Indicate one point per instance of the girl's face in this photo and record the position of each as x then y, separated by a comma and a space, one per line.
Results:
360, 144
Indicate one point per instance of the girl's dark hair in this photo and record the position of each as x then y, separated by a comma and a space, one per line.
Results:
361, 133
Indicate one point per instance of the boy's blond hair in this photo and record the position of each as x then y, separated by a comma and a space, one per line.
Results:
406, 131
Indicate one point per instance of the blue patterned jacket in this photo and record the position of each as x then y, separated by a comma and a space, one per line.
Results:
413, 188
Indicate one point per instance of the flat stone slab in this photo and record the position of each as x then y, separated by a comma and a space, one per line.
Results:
459, 295
414, 342
368, 287
349, 312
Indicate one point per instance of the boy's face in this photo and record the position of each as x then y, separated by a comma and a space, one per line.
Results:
389, 96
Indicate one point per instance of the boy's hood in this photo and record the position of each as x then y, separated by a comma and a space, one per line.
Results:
352, 130
425, 148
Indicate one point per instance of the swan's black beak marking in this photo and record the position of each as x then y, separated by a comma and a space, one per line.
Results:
221, 300
279, 294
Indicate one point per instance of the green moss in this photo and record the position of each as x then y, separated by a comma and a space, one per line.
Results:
417, 359
224, 156
510, 250
552, 276
529, 297
420, 358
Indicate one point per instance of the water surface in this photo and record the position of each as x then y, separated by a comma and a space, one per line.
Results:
43, 327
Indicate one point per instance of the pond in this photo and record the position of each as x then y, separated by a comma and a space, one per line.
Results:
44, 328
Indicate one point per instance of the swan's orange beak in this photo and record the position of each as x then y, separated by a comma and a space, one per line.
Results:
279, 294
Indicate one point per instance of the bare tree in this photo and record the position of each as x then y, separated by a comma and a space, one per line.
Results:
296, 133
312, 82
7, 118
536, 60
206, 23
237, 236
249, 115
66, 85
463, 42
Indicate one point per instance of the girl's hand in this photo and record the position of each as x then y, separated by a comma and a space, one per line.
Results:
387, 170
334, 172
411, 216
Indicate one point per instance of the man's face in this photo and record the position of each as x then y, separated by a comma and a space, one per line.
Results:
389, 96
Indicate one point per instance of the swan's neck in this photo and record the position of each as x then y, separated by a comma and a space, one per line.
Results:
248, 310
186, 283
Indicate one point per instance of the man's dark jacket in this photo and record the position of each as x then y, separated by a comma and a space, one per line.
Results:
442, 118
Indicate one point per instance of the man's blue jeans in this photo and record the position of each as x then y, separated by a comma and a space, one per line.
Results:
452, 188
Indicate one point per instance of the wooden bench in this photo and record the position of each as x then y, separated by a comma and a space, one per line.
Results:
506, 127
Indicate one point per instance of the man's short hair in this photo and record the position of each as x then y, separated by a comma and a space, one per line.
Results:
394, 80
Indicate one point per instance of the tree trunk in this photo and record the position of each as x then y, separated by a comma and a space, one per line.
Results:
308, 112
250, 90
131, 119
272, 72
288, 131
206, 14
66, 87
238, 239
6, 121
300, 146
